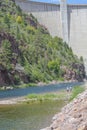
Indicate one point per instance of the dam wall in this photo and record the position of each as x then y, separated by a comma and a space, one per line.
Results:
63, 20
47, 15
77, 29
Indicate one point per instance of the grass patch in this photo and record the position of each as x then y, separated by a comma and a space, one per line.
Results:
43, 96
76, 90
48, 96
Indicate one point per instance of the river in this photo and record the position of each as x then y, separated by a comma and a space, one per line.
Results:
39, 89
30, 116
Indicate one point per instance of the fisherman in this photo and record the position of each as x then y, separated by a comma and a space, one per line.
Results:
67, 89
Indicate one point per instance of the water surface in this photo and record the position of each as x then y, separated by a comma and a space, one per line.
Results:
28, 116
38, 89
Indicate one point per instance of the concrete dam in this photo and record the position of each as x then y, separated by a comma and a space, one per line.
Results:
68, 21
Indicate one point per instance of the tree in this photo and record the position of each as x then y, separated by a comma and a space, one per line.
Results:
6, 54
7, 21
19, 19
54, 66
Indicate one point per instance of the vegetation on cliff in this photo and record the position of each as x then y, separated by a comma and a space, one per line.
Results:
28, 53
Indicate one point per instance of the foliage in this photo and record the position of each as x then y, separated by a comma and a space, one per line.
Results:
47, 96
19, 19
5, 54
76, 90
54, 66
30, 29
17, 79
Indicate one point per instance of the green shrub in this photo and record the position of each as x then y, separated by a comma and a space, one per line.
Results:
19, 19
30, 29
76, 90
17, 79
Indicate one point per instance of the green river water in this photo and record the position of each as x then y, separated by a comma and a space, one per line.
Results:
28, 116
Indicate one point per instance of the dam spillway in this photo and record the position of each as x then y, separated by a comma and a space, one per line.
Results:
68, 21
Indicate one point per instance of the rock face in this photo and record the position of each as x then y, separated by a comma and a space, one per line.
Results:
76, 73
73, 116
4, 78
8, 77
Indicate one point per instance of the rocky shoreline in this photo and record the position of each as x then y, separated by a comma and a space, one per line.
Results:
73, 116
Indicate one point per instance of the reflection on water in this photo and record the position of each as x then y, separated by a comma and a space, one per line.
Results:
28, 116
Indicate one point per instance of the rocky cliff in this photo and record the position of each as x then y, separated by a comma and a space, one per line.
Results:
73, 116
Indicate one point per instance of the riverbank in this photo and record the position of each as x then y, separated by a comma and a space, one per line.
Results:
9, 101
34, 98
73, 116
54, 82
